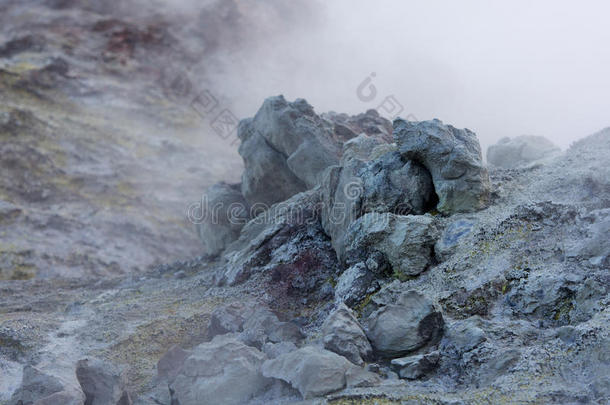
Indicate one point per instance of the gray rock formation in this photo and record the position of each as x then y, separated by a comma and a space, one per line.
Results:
461, 337
224, 213
401, 328
359, 148
316, 372
262, 326
523, 285
453, 158
343, 335
361, 185
406, 241
102, 383
595, 246
520, 151
223, 369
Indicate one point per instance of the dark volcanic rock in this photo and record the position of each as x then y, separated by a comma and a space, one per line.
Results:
401, 328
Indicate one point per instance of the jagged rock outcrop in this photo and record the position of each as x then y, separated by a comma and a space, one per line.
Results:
361, 185
453, 158
519, 151
405, 326
223, 212
285, 148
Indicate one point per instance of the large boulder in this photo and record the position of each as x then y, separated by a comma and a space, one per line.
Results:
266, 178
453, 158
224, 212
102, 383
401, 328
224, 369
343, 335
315, 372
285, 148
406, 241
511, 153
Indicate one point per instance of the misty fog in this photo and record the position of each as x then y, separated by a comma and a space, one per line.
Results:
498, 68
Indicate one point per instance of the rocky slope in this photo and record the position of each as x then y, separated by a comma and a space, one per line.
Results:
506, 303
109, 131
355, 261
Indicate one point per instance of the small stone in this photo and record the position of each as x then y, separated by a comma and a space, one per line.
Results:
414, 367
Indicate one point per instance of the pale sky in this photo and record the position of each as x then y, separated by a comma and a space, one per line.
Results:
499, 68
